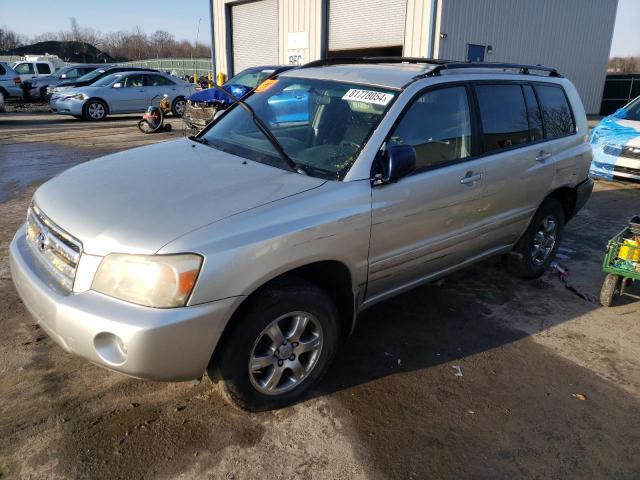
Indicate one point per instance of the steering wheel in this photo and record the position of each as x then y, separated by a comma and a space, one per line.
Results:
346, 143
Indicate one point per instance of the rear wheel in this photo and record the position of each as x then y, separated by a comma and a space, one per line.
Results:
1, 101
538, 246
610, 288
95, 110
279, 348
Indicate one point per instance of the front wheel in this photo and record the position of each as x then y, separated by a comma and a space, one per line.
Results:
279, 347
178, 107
610, 288
95, 110
537, 248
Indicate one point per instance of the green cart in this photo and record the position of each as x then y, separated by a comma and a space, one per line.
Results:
621, 263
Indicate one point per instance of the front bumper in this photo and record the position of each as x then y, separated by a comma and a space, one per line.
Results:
609, 167
66, 106
159, 344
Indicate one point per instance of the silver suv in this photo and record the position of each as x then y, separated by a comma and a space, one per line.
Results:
249, 250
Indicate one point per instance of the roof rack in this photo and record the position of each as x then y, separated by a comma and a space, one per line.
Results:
439, 64
524, 69
347, 60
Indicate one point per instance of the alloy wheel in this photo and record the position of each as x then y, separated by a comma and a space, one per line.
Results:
180, 107
285, 353
96, 110
544, 240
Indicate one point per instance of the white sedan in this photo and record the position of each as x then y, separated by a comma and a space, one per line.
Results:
123, 92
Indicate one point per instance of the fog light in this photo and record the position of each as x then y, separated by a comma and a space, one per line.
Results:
110, 348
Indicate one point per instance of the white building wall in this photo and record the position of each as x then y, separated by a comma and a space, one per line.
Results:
573, 36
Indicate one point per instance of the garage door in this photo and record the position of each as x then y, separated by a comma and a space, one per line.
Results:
358, 24
254, 34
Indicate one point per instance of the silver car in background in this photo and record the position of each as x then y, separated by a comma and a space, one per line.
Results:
123, 92
249, 250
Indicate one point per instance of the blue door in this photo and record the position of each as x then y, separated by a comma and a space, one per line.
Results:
475, 53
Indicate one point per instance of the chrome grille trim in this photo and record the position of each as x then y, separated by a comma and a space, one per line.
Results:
57, 251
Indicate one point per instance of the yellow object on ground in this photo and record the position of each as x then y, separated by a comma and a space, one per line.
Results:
630, 250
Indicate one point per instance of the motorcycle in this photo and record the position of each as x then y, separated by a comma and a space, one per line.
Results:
153, 119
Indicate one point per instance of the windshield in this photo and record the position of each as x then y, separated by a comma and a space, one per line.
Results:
107, 80
321, 125
633, 110
91, 75
249, 78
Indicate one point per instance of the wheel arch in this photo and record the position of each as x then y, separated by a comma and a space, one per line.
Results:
567, 197
106, 104
333, 276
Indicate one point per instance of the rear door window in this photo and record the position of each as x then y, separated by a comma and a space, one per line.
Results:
24, 68
533, 112
438, 126
157, 81
43, 68
557, 117
504, 116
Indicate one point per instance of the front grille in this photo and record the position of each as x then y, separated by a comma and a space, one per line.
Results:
630, 152
54, 248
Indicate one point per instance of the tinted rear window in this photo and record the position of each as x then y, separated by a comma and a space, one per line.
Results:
556, 113
504, 116
43, 68
2, 70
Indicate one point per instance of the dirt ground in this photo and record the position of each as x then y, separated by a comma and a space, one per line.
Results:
549, 385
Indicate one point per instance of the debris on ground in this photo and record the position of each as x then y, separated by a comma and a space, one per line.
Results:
563, 273
458, 370
579, 396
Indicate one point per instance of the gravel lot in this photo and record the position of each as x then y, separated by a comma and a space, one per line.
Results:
550, 384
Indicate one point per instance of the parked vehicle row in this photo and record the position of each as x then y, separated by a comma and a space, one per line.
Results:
38, 88
248, 250
10, 82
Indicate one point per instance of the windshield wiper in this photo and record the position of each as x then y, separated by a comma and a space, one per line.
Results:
295, 167
201, 140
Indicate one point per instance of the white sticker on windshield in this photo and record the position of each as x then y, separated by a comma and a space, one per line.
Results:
368, 96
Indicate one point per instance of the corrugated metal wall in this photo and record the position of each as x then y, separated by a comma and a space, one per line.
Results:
571, 35
300, 16
417, 33
220, 33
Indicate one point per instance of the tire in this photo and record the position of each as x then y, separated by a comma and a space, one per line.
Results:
178, 107
610, 288
538, 246
95, 110
250, 358
1, 101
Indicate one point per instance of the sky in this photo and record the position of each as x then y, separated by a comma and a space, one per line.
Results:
181, 18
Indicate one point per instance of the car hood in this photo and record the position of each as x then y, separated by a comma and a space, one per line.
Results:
139, 200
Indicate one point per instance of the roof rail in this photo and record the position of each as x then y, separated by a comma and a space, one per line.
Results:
439, 64
524, 69
347, 60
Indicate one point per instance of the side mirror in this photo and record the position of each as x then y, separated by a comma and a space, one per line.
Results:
397, 161
117, 85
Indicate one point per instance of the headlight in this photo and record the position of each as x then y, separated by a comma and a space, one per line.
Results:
160, 281
77, 96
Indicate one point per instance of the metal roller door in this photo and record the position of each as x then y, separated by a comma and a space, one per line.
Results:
358, 24
254, 34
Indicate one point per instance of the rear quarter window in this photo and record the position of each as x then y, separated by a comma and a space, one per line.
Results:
557, 116
43, 68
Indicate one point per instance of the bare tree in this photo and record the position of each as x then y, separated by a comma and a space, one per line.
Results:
624, 65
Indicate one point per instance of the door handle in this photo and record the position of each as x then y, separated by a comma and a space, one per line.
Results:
542, 156
470, 178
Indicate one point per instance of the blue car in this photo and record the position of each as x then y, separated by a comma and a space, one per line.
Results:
616, 144
202, 105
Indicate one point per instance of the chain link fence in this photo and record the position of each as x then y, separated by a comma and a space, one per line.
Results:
181, 66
